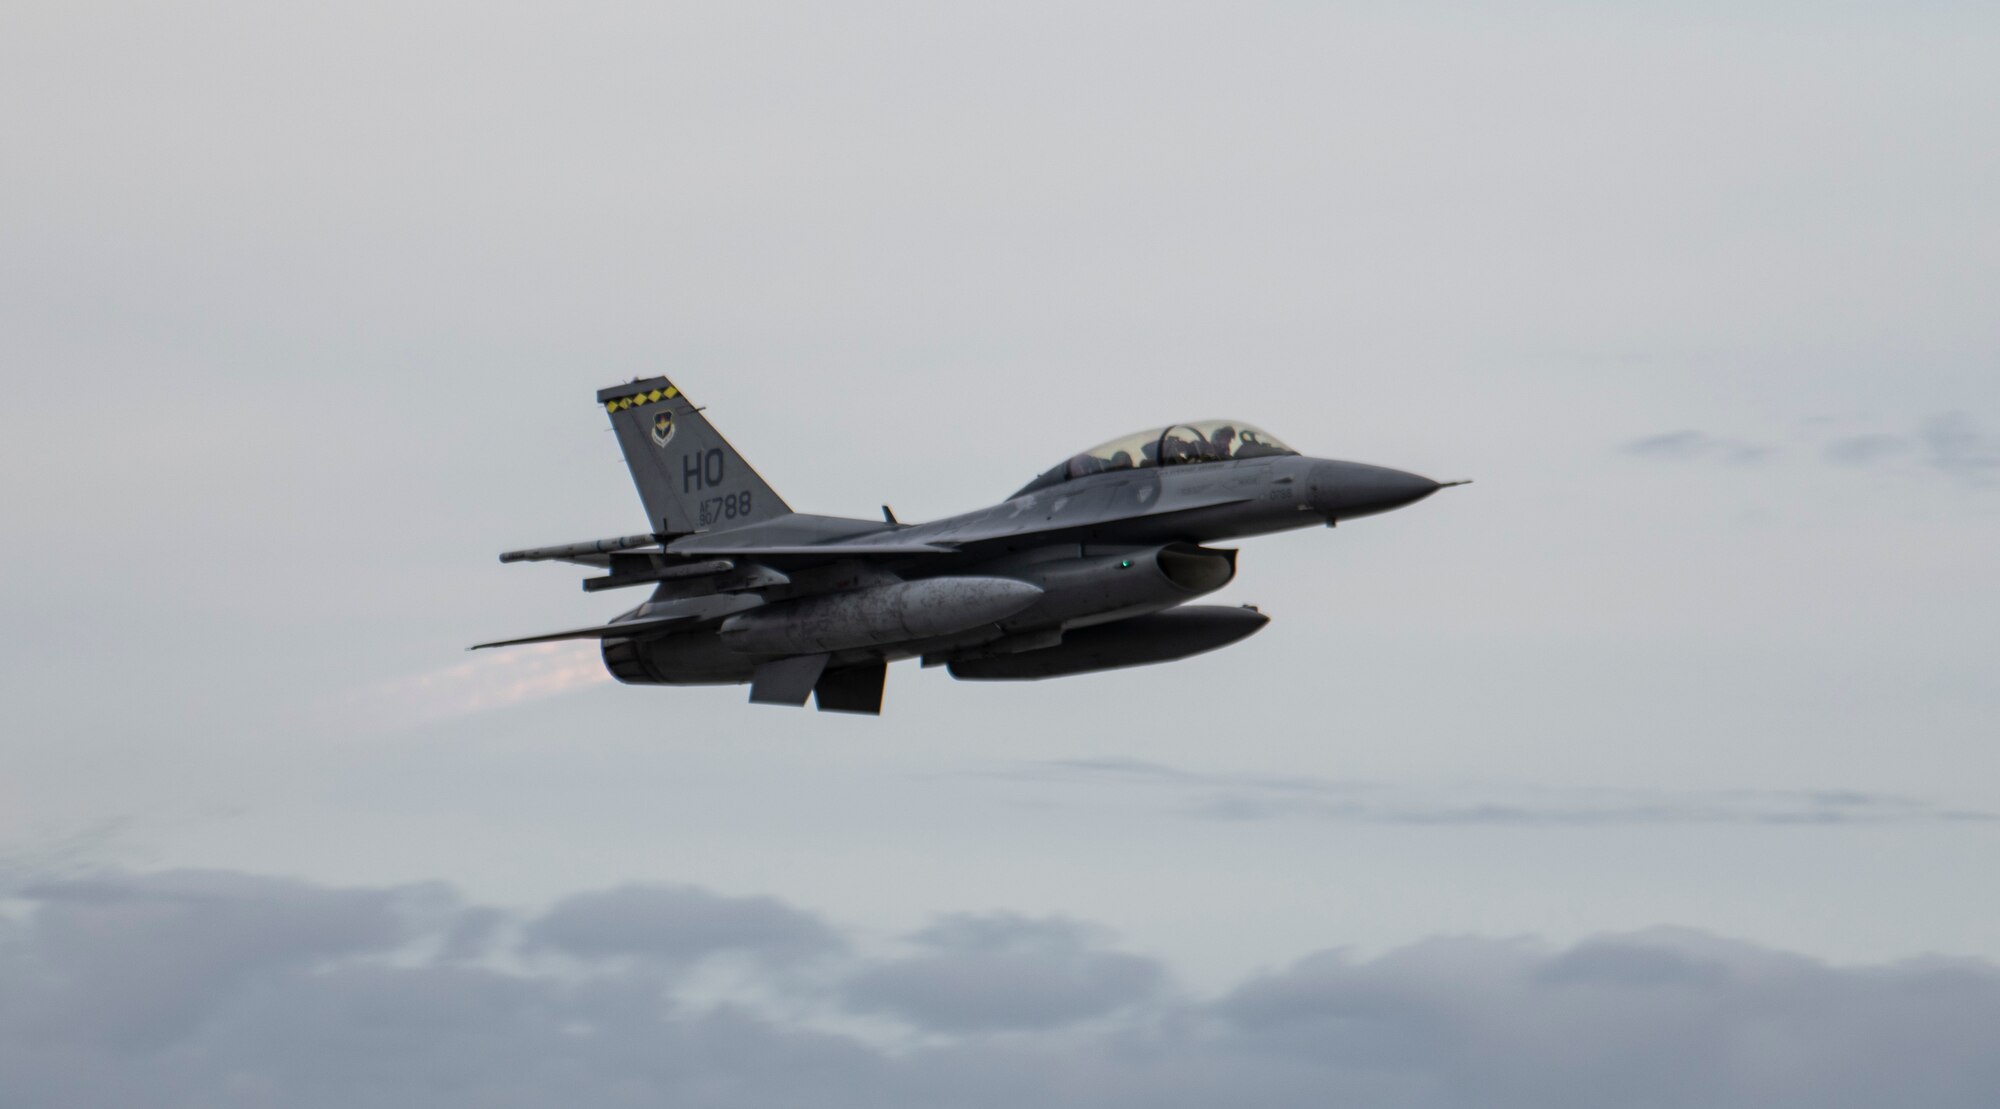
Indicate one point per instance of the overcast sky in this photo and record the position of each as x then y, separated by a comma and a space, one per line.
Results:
1663, 757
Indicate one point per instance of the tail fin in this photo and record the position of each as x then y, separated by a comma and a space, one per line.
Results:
688, 475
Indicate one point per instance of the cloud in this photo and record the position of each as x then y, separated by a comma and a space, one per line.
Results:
258, 991
1957, 445
1690, 445
1001, 971
471, 935
128, 962
1664, 1017
1951, 443
678, 924
1217, 796
37, 854
1862, 450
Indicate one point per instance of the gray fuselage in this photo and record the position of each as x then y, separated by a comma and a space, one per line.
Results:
1088, 567
1064, 537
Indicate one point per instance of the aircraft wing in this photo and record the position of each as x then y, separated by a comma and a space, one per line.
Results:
815, 550
792, 540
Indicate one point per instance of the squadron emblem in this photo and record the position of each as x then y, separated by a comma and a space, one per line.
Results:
663, 427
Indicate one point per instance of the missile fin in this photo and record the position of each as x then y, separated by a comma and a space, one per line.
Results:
786, 681
851, 689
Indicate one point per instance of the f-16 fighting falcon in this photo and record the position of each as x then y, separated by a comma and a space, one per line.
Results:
1088, 567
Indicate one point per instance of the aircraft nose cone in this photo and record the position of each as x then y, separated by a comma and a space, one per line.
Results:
1344, 490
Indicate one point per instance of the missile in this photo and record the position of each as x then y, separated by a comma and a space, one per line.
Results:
578, 550
877, 615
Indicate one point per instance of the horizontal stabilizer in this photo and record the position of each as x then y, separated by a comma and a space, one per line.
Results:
602, 631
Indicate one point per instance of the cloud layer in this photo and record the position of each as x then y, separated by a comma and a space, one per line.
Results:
1954, 444
225, 989
1221, 796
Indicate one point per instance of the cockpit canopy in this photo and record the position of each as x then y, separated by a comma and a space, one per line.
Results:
1178, 445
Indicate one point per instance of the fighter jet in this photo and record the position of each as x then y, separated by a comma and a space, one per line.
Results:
1088, 567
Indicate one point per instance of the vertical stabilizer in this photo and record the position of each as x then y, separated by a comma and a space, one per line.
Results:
688, 475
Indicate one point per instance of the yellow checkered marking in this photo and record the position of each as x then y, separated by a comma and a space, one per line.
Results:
652, 397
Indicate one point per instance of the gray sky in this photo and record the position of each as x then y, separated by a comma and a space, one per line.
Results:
301, 310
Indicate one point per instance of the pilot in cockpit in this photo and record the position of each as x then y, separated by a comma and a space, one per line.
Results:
1183, 444
1222, 440
1083, 465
